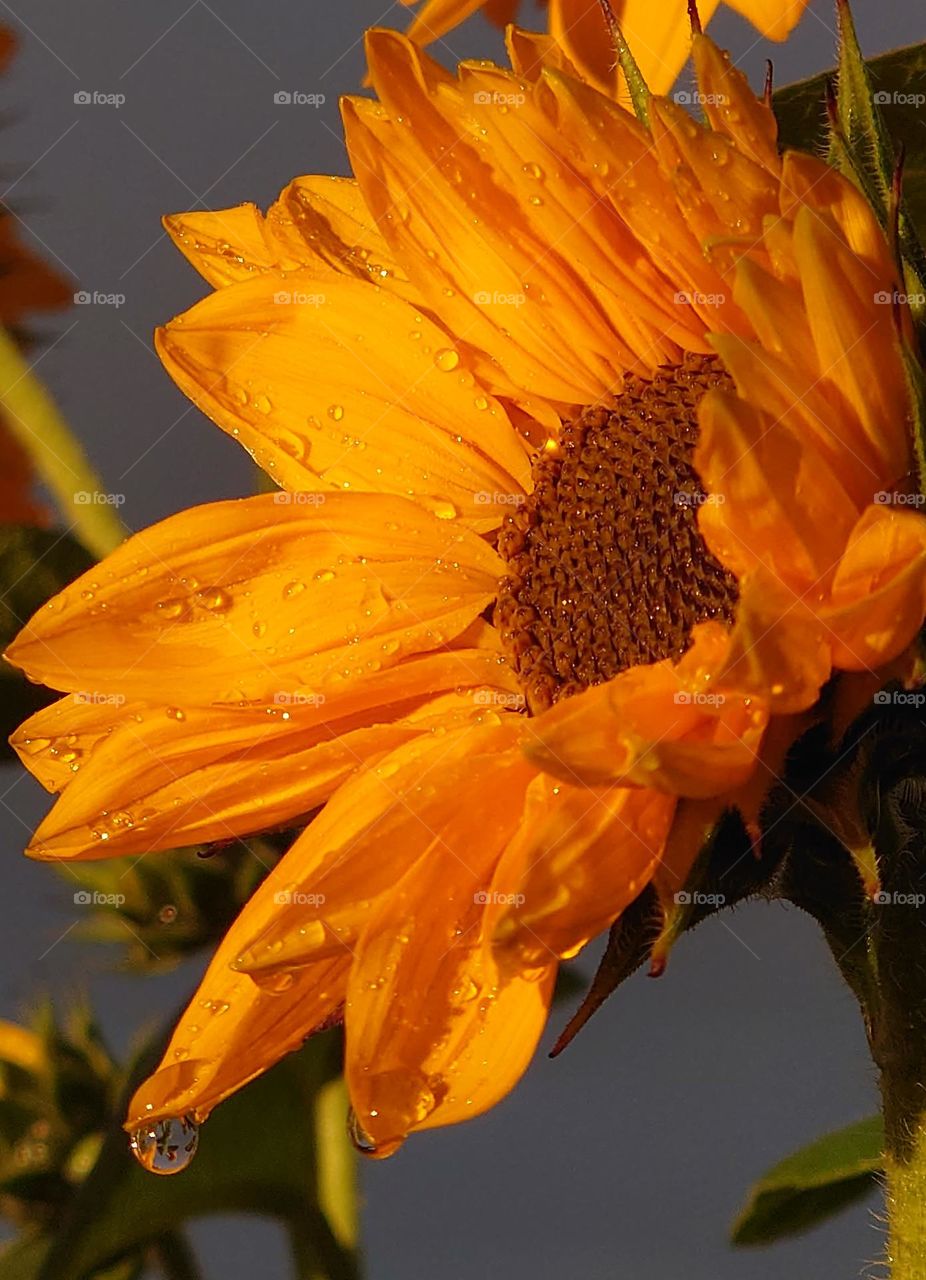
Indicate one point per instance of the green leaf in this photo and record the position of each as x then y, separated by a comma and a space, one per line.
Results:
813, 1184
897, 79
256, 1154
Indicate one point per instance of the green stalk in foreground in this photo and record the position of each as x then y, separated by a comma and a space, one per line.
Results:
35, 420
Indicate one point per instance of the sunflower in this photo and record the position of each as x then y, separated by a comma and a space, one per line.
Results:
583, 429
657, 31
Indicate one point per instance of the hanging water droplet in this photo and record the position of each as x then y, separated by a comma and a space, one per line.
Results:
166, 1146
360, 1139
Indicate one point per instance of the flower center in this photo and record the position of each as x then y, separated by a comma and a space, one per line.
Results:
607, 567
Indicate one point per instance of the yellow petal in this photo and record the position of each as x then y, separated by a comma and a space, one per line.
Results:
236, 601
387, 402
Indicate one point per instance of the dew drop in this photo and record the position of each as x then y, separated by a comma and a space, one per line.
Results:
166, 1146
336, 411
447, 359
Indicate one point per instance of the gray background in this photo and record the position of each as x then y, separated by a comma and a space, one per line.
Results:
626, 1158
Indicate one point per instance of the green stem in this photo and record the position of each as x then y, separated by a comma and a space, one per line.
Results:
35, 420
906, 1205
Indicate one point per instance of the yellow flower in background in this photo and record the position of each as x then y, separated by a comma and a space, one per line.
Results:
657, 31
582, 430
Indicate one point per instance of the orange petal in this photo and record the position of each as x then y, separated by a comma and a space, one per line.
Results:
658, 726
774, 502
659, 37
581, 856
847, 304
428, 799
236, 601
385, 404
779, 649
424, 1043
323, 221
879, 593
233, 1031
731, 107
151, 781
227, 245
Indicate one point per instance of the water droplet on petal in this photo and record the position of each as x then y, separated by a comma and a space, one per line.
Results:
166, 1146
336, 411
447, 359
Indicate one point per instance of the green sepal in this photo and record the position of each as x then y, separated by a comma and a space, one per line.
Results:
636, 85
